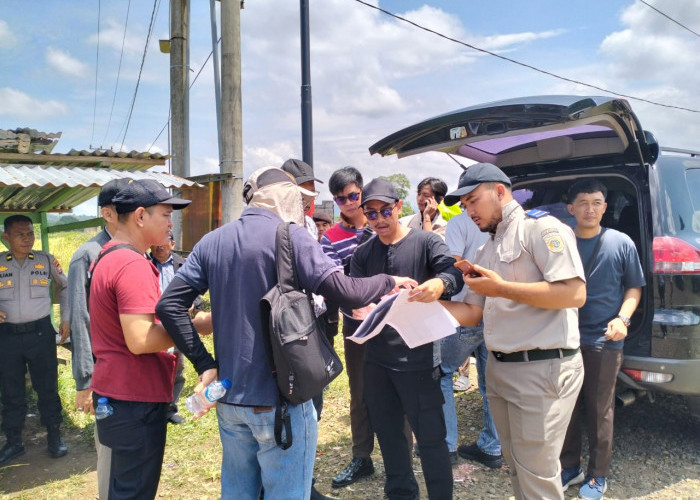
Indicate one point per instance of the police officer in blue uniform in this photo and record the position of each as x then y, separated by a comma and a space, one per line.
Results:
27, 336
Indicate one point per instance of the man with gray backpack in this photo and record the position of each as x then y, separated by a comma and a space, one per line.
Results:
237, 264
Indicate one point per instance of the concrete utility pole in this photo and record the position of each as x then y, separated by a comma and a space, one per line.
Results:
231, 120
307, 144
179, 98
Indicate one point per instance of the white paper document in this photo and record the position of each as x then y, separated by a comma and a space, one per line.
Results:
418, 323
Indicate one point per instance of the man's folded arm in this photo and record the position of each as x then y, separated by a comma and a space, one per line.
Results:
172, 310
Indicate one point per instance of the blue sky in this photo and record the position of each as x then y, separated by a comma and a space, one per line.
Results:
371, 74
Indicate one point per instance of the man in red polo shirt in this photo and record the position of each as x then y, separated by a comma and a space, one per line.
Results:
132, 367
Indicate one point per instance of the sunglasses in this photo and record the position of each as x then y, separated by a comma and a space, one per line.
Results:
341, 200
386, 213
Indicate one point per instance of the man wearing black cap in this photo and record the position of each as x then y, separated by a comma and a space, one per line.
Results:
132, 368
406, 381
82, 361
527, 284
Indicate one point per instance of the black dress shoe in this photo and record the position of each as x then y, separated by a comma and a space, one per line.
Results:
57, 448
316, 495
356, 469
176, 419
10, 451
474, 453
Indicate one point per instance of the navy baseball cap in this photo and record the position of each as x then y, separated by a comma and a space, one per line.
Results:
110, 190
300, 170
379, 189
472, 177
145, 193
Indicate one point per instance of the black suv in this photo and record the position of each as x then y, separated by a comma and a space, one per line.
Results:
544, 143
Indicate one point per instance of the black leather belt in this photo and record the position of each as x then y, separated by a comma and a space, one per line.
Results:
534, 355
15, 328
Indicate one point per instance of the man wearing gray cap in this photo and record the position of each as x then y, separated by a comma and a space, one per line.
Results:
82, 361
303, 174
527, 284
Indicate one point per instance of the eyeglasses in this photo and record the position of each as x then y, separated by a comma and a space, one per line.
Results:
341, 200
386, 213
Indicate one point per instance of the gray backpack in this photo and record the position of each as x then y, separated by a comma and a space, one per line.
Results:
303, 359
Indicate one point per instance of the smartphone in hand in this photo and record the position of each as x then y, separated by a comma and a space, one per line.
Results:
467, 269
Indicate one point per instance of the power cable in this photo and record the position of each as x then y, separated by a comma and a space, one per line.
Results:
97, 66
119, 71
670, 18
191, 84
525, 65
156, 3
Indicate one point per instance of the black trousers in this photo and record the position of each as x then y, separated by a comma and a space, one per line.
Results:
417, 395
33, 348
135, 434
596, 402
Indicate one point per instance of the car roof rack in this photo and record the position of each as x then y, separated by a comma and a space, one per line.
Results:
682, 151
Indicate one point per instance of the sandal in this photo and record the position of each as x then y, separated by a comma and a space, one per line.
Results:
461, 384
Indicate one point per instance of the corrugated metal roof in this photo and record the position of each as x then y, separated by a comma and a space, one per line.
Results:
133, 160
30, 188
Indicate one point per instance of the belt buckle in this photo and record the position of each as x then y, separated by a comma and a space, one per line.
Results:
498, 355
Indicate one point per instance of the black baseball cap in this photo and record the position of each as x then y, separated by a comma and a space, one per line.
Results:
473, 176
300, 170
379, 189
110, 190
145, 193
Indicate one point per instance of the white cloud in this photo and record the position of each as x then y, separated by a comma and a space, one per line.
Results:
7, 38
507, 41
112, 35
18, 105
64, 63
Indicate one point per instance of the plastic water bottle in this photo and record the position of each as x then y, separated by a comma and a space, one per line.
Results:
211, 393
104, 409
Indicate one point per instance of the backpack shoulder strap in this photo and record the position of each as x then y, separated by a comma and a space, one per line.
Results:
284, 257
91, 271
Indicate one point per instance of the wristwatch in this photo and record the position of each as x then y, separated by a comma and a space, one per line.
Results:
625, 319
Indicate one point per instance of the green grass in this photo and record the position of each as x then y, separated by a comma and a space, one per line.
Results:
192, 461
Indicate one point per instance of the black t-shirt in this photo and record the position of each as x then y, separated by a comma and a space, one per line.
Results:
420, 255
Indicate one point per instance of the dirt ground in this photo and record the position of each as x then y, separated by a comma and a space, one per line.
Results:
656, 456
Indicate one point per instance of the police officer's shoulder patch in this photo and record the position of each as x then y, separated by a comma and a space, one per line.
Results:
553, 240
536, 214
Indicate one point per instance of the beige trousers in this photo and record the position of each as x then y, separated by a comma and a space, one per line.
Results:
531, 404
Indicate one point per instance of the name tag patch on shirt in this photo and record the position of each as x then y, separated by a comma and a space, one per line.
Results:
553, 240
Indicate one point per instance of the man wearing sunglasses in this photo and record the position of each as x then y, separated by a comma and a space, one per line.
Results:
406, 382
339, 243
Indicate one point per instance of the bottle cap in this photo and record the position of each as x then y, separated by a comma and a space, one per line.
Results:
226, 383
102, 401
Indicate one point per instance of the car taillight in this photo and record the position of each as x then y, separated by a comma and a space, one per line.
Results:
675, 256
649, 377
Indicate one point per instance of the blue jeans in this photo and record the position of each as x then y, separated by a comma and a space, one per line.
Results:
251, 458
454, 350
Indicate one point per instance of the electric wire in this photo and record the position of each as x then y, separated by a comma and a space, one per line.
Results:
97, 66
670, 18
525, 65
156, 3
191, 84
119, 70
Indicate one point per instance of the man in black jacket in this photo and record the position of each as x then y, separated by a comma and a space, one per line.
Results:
405, 381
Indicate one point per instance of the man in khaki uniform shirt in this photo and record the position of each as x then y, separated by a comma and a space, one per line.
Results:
27, 336
526, 284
